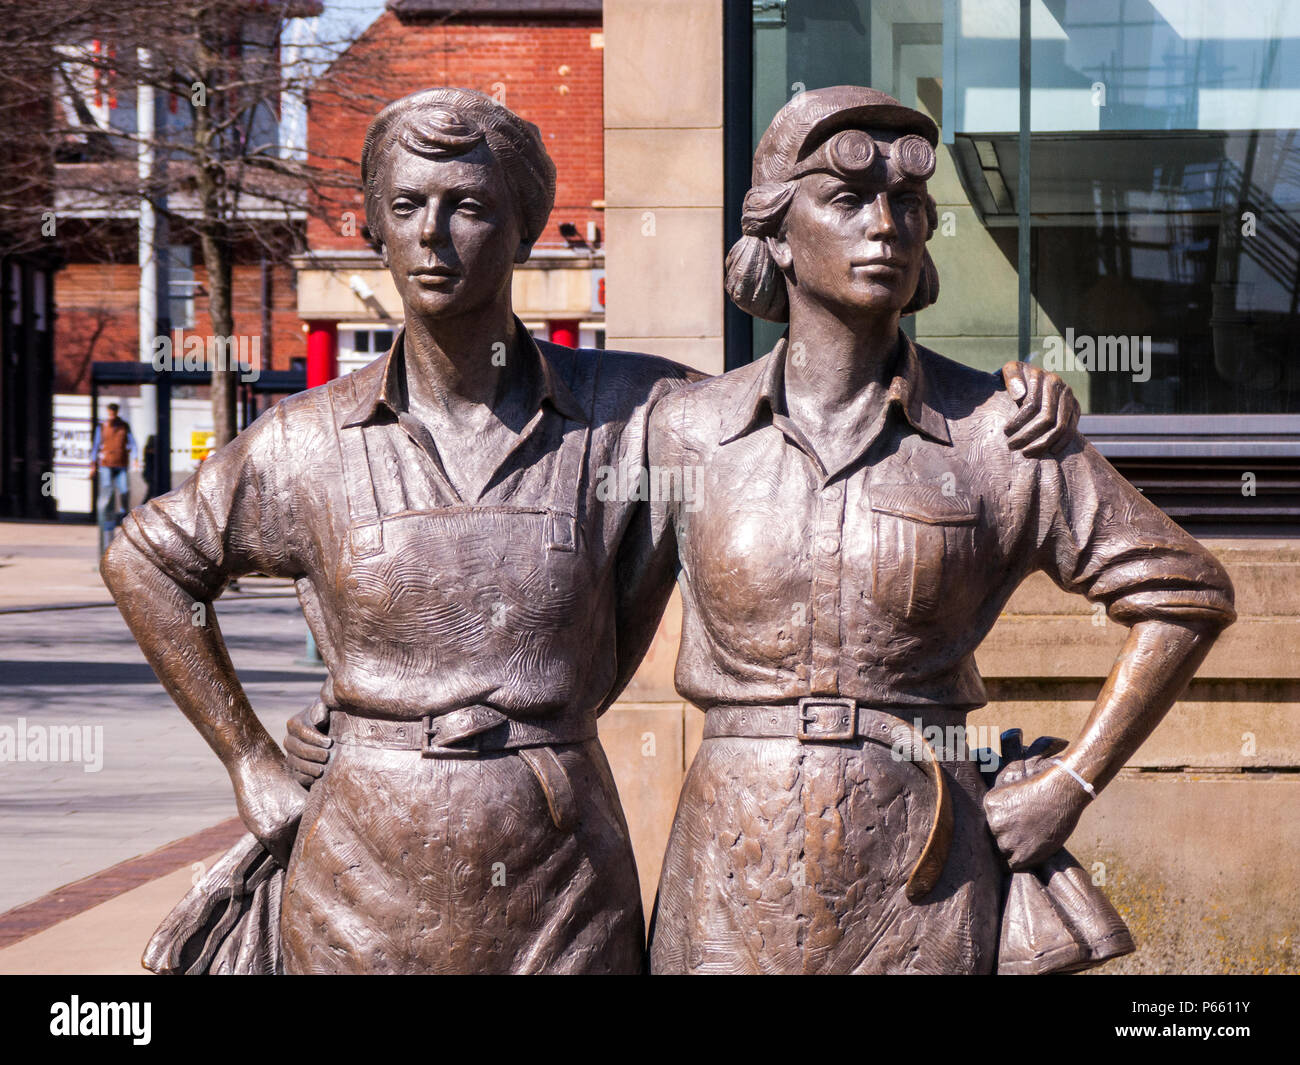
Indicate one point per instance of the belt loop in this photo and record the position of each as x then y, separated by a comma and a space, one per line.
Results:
555, 783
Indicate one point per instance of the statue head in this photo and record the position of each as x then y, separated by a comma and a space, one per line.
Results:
839, 206
457, 191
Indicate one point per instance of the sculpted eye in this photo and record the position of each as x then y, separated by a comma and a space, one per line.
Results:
403, 205
473, 208
848, 200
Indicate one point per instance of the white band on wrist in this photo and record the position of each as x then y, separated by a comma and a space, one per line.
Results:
1082, 783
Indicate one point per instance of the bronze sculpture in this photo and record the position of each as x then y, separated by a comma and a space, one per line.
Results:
477, 603
862, 524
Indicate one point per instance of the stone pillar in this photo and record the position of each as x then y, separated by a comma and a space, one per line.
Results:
663, 179
663, 264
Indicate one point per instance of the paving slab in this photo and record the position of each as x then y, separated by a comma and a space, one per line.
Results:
158, 780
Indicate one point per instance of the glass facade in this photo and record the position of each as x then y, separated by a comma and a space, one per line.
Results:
1163, 188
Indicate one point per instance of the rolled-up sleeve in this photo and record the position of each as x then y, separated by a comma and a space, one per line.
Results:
1100, 537
227, 519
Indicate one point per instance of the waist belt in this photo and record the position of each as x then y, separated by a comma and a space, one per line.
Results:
474, 730
459, 733
815, 719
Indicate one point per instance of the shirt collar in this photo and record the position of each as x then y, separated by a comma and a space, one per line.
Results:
381, 386
908, 391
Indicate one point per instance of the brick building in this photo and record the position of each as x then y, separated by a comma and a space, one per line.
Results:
97, 298
543, 60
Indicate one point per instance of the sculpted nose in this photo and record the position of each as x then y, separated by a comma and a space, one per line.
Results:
880, 219
430, 229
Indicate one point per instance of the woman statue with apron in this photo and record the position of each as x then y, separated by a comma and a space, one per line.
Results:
862, 522
478, 595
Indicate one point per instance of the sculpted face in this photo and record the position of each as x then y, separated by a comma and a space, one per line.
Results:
854, 237
449, 229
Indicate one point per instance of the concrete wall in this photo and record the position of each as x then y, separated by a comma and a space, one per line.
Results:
1196, 841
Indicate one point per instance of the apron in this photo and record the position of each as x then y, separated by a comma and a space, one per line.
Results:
789, 858
501, 846
464, 588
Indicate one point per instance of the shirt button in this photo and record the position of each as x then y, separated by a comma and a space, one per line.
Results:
834, 492
829, 544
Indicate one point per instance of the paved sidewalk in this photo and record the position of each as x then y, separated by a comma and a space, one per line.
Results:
106, 940
49, 565
144, 776
71, 831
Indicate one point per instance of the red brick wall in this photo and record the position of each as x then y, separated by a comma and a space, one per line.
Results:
97, 308
519, 62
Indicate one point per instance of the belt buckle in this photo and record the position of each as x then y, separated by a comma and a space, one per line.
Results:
843, 723
471, 747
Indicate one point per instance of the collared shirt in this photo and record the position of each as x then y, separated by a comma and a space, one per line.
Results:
523, 598
878, 581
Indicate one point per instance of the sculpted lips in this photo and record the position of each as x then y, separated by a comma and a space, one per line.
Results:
433, 275
879, 266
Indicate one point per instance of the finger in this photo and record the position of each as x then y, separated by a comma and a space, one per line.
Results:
1071, 411
1031, 405
1013, 373
318, 714
1036, 428
305, 773
306, 751
1060, 432
1053, 388
1050, 393
993, 814
302, 731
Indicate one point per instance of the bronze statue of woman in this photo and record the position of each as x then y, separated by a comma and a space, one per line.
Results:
860, 523
477, 602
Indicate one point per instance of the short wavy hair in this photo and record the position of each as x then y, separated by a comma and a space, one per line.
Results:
756, 284
444, 123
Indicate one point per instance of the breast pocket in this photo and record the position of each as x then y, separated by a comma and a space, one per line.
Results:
924, 542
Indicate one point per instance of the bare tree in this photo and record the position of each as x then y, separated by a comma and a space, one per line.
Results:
228, 170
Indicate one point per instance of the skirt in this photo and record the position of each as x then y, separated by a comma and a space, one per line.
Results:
406, 864
792, 858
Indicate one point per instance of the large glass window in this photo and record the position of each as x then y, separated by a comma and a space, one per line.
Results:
1163, 191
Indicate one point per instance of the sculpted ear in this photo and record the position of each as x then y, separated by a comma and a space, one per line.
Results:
779, 248
524, 250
